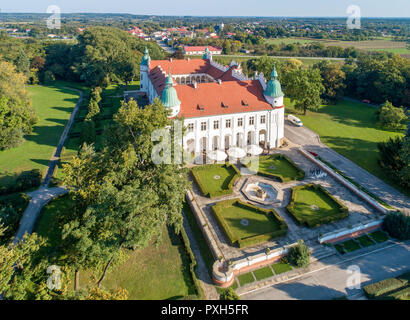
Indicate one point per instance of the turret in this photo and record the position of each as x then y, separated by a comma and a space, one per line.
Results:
169, 97
207, 55
273, 93
144, 71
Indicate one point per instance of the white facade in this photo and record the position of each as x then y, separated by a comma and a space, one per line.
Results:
220, 132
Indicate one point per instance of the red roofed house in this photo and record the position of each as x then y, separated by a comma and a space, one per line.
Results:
200, 50
221, 107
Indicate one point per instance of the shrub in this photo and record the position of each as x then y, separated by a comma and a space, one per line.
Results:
25, 181
11, 210
390, 116
88, 134
229, 294
299, 255
397, 225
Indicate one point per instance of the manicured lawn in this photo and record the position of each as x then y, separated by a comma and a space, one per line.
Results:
351, 245
242, 222
312, 206
152, 273
245, 279
280, 167
365, 241
351, 129
53, 105
378, 236
281, 267
215, 179
263, 273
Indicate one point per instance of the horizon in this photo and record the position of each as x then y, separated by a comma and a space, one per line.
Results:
215, 8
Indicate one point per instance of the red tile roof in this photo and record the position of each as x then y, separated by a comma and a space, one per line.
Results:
192, 66
200, 48
208, 99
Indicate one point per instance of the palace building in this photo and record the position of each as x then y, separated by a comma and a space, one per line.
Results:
221, 107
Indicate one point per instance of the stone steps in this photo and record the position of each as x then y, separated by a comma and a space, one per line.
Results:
320, 252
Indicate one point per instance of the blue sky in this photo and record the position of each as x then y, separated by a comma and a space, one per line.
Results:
316, 8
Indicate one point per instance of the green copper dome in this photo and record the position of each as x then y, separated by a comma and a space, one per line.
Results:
169, 96
146, 58
205, 56
273, 89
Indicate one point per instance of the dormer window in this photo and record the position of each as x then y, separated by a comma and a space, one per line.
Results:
224, 105
244, 103
200, 107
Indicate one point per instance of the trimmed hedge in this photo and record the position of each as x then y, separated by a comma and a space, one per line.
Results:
383, 289
397, 225
192, 266
300, 175
214, 194
314, 222
252, 240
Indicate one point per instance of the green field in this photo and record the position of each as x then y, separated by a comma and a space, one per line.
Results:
280, 167
53, 105
263, 273
246, 278
149, 274
281, 267
382, 44
351, 129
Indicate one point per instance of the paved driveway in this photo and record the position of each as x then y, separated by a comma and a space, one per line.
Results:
330, 281
309, 140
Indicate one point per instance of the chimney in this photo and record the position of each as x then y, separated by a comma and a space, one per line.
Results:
195, 85
170, 59
219, 81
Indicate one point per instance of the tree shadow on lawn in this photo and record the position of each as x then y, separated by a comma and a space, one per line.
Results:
46, 135
65, 109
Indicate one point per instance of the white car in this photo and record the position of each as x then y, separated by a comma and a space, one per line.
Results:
295, 120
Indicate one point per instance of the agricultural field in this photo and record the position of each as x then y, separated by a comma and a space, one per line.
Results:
351, 129
53, 105
387, 45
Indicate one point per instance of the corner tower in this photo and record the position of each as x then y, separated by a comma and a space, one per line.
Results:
144, 71
169, 97
273, 93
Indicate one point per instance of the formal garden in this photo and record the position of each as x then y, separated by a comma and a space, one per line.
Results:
280, 167
361, 242
216, 180
313, 206
246, 225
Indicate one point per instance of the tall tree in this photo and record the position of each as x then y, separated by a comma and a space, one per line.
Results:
305, 88
17, 116
333, 80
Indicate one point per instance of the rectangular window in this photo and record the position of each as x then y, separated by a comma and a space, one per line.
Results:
251, 121
240, 122
228, 123
216, 124
191, 127
203, 126
263, 119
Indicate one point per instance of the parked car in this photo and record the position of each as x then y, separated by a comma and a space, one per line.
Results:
295, 120
366, 101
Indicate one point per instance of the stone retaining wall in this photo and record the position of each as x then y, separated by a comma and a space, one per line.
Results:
346, 183
224, 273
348, 233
